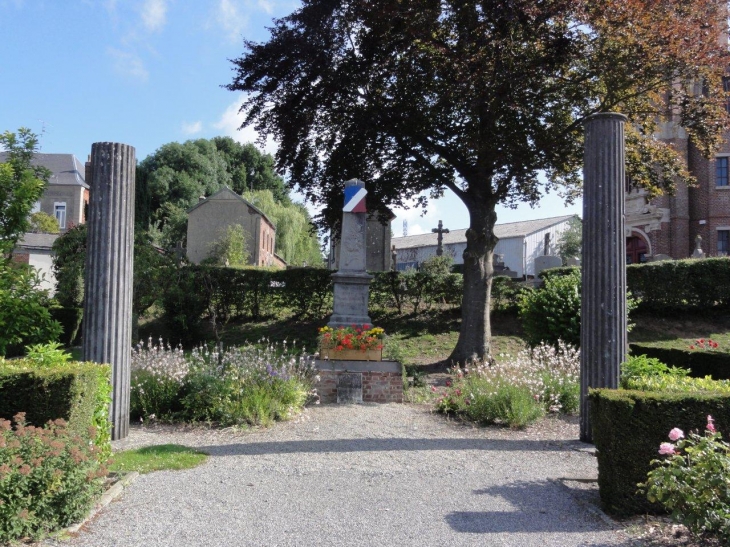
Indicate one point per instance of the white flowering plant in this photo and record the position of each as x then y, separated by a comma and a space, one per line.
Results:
251, 384
516, 390
693, 481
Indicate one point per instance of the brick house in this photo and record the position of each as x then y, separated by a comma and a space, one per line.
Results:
212, 215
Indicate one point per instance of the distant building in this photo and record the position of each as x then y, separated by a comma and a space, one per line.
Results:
67, 193
209, 219
37, 250
519, 244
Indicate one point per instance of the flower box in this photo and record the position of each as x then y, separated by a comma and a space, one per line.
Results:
333, 354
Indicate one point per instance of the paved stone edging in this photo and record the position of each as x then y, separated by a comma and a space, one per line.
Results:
107, 497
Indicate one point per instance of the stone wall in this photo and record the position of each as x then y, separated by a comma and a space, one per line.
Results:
382, 381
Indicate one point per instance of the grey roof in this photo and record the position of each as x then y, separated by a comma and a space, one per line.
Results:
37, 241
229, 191
502, 231
65, 169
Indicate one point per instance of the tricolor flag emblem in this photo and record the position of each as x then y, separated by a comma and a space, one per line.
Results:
355, 200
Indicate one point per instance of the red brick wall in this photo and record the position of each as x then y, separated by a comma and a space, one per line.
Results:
21, 257
377, 387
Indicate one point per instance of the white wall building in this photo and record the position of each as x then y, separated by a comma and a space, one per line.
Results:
519, 244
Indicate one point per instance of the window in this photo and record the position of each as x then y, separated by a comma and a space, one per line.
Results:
721, 171
60, 209
723, 242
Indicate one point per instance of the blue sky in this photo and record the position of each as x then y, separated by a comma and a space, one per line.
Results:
148, 72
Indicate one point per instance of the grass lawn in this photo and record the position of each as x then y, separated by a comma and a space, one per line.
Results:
157, 458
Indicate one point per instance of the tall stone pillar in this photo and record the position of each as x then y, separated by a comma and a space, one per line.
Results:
351, 281
108, 280
603, 312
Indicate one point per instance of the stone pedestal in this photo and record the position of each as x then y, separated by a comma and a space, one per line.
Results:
107, 327
359, 382
603, 313
351, 281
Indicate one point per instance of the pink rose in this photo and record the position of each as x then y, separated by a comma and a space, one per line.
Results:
676, 434
666, 449
710, 424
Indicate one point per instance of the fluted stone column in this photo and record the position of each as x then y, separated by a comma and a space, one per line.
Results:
603, 313
108, 281
351, 281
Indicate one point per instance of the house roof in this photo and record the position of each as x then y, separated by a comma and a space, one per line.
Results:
502, 231
65, 169
37, 241
227, 190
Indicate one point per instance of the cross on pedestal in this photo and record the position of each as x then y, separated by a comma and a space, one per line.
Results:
440, 231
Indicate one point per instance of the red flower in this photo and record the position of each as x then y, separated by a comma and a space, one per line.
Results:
448, 383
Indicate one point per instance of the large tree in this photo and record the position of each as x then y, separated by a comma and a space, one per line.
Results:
478, 97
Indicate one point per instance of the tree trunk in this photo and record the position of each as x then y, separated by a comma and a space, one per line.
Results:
475, 335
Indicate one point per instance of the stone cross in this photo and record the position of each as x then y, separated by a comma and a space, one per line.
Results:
440, 231
603, 342
107, 330
351, 281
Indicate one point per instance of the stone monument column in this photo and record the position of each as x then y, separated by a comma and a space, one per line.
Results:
108, 279
351, 281
603, 312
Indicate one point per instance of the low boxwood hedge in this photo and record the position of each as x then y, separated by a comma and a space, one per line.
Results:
700, 363
77, 392
628, 427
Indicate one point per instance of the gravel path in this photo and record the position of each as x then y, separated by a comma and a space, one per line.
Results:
363, 475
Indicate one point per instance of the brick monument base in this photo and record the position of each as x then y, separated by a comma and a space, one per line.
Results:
359, 381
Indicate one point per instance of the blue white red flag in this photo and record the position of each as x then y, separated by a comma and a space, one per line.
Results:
355, 200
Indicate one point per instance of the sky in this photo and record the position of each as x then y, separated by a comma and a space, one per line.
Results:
149, 72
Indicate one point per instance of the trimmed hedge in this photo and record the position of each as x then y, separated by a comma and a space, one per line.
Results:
628, 427
674, 285
700, 363
77, 392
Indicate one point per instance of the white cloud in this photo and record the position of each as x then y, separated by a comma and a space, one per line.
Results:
266, 6
154, 14
128, 64
192, 128
232, 119
231, 18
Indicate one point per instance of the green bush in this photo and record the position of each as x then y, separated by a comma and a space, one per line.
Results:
692, 482
628, 428
552, 313
673, 285
76, 392
232, 386
638, 367
700, 363
49, 477
506, 294
517, 391
24, 310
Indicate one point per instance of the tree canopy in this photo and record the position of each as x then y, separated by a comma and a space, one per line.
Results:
21, 185
479, 97
171, 180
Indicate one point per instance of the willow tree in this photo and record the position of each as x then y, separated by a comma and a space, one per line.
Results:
478, 97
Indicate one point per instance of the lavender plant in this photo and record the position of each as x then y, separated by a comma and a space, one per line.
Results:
517, 390
252, 384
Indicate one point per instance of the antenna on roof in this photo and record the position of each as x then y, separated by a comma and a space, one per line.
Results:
405, 228
40, 137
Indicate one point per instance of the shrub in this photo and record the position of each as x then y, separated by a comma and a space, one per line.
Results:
157, 374
629, 426
699, 363
24, 310
232, 386
49, 477
552, 313
638, 367
692, 482
48, 388
517, 391
506, 294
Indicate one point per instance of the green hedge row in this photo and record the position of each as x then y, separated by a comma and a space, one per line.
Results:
77, 392
700, 363
674, 285
629, 426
